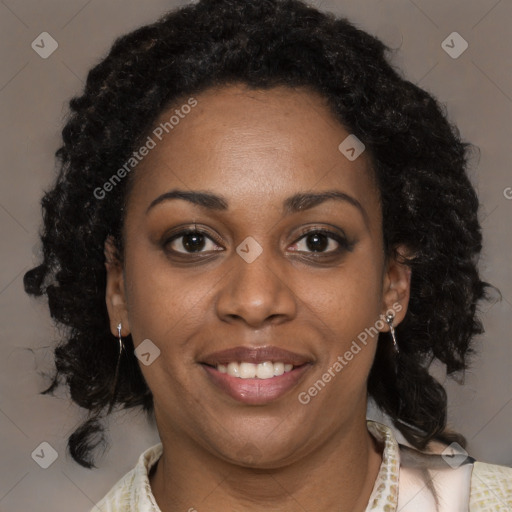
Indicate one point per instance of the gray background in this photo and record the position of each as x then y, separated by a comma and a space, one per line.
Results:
477, 90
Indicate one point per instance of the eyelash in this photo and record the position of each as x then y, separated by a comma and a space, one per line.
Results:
344, 244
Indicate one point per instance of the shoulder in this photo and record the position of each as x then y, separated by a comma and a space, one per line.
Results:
133, 491
491, 485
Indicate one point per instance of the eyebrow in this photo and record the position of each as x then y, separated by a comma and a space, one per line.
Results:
296, 203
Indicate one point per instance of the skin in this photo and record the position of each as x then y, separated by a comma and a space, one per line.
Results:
256, 148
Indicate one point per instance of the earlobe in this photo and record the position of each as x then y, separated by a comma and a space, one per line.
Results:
115, 297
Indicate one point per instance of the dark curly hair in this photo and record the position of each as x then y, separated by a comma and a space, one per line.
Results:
418, 159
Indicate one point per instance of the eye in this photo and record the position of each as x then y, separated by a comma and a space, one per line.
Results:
322, 241
316, 241
190, 241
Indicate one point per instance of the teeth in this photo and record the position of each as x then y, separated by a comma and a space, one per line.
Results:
233, 369
278, 369
247, 370
265, 370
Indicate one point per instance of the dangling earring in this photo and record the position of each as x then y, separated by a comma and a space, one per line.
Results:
121, 345
116, 372
389, 319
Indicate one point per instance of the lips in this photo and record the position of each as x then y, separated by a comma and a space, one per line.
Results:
255, 391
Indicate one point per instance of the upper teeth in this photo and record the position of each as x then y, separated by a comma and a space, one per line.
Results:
265, 370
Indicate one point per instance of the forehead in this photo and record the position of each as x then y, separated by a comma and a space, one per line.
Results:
252, 146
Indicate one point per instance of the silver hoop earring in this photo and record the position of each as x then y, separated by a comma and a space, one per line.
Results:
389, 319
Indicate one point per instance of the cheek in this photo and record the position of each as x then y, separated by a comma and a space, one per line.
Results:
358, 305
163, 304
349, 305
349, 299
166, 309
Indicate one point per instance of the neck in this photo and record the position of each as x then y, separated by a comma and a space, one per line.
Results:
338, 476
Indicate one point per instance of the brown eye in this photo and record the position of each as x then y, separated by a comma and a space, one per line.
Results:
317, 242
189, 242
323, 242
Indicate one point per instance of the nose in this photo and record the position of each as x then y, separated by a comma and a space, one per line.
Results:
257, 293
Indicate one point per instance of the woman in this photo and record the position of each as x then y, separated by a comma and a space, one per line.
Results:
242, 240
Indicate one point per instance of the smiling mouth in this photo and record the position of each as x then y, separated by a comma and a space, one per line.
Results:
255, 375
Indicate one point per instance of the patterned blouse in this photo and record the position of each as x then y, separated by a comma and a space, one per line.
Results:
405, 482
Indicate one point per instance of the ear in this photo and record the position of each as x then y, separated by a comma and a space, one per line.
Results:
115, 297
397, 286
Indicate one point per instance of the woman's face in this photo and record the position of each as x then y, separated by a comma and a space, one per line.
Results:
251, 279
